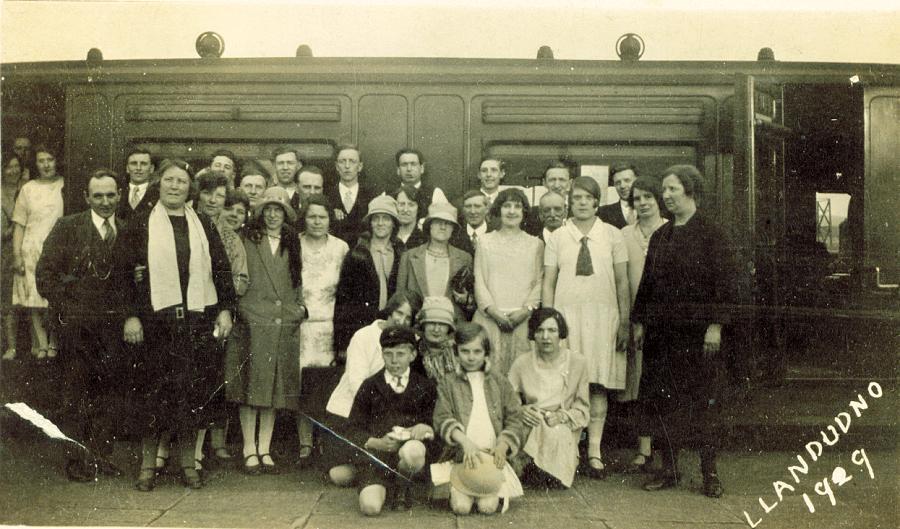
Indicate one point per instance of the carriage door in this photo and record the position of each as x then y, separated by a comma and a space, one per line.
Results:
759, 181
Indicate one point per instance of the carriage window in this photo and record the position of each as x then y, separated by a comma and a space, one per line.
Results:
832, 224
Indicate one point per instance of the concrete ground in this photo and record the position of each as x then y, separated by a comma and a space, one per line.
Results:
765, 429
34, 492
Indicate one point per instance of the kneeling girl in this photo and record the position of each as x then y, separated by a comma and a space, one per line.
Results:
478, 415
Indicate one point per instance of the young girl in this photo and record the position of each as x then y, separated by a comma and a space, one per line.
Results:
479, 416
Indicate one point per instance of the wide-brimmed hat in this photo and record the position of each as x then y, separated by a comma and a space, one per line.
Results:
277, 195
437, 309
483, 480
382, 204
443, 211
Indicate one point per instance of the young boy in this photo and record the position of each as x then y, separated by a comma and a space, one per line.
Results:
390, 418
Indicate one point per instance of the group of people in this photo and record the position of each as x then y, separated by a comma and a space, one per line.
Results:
479, 341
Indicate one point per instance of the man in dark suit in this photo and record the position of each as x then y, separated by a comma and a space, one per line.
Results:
348, 196
76, 274
287, 164
620, 214
141, 194
474, 221
410, 169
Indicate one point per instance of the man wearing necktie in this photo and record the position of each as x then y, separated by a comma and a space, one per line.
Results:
141, 193
474, 219
77, 275
349, 196
620, 214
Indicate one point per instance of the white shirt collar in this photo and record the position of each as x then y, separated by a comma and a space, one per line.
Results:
547, 233
480, 230
98, 222
344, 188
490, 196
626, 209
140, 187
404, 380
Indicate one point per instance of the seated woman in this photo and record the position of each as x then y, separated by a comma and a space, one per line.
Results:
435, 357
553, 383
363, 360
479, 417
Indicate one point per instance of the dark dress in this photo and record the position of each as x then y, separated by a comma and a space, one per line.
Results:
356, 299
179, 372
689, 274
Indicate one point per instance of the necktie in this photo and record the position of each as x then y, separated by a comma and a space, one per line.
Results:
584, 266
109, 234
474, 238
348, 201
398, 384
135, 199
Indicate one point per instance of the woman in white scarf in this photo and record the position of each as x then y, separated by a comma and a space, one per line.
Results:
181, 304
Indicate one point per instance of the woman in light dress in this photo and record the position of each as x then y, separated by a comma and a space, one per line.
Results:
322, 255
586, 279
553, 382
508, 274
39, 205
645, 198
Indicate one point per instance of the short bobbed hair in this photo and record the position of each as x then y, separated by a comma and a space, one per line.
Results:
468, 331
586, 183
543, 314
211, 180
237, 196
690, 179
397, 300
317, 200
511, 194
650, 185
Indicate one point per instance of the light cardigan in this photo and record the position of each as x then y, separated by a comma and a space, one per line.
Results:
162, 263
454, 407
364, 359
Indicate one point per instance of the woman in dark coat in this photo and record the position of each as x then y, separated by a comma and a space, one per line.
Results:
678, 316
263, 361
365, 286
181, 302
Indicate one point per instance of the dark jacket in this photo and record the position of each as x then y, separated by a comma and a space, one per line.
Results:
461, 239
351, 227
612, 214
377, 409
412, 272
356, 299
77, 273
151, 196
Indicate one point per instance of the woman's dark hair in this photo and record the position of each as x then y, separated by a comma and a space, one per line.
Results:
411, 193
10, 155
510, 194
235, 196
397, 300
317, 200
586, 183
543, 314
43, 147
690, 179
468, 331
650, 185
211, 180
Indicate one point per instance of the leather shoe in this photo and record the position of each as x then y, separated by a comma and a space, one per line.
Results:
665, 480
79, 471
191, 478
712, 486
252, 470
107, 468
267, 468
146, 480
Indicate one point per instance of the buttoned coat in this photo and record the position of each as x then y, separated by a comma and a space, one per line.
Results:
263, 365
